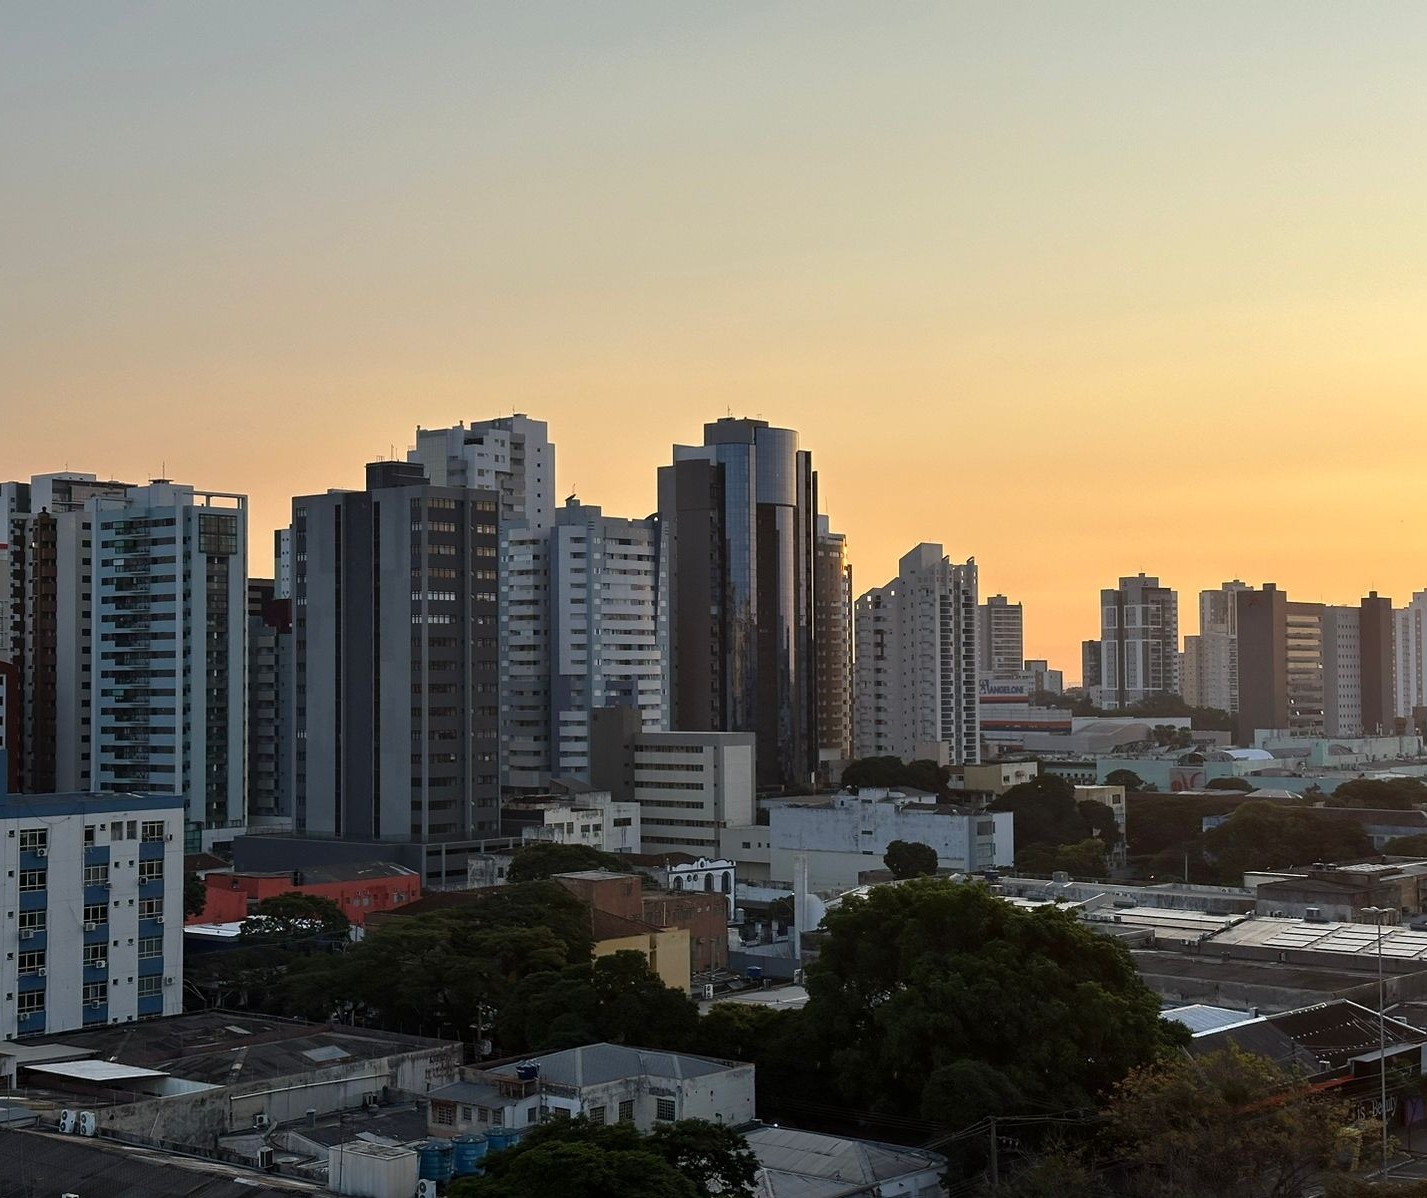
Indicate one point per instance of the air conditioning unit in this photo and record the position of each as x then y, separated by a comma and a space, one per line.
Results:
265, 1157
42, 852
88, 1123
158, 919
168, 836
68, 1120
168, 981
425, 1188
371, 1101
41, 971
90, 927
101, 965
27, 933
97, 1005
261, 1120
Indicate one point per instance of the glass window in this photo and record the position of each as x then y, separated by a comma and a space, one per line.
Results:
31, 963
34, 840
664, 1109
95, 875
626, 1111
31, 880
150, 986
29, 1002
150, 947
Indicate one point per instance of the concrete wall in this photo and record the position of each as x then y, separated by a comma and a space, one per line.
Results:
199, 1119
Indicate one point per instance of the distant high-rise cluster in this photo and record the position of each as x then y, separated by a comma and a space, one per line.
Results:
448, 639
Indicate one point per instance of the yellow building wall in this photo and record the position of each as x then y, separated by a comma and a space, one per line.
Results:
667, 953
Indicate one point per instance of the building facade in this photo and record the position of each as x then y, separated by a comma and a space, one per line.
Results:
511, 455
740, 513
1000, 643
1139, 642
270, 695
832, 600
916, 679
396, 703
1410, 657
95, 888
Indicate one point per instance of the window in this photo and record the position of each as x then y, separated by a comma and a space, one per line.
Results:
150, 947
153, 830
95, 875
95, 992
664, 1110
30, 1002
151, 871
31, 963
533, 1115
32, 921
465, 1114
443, 1112
150, 987
31, 880
597, 1114
484, 1114
34, 840
90, 833
96, 956
626, 1111
497, 1116
151, 908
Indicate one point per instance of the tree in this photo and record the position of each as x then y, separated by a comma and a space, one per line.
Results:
910, 859
1130, 780
892, 772
1263, 835
541, 858
688, 1159
1406, 846
1084, 859
616, 998
195, 895
923, 986
296, 916
1242, 785
1227, 1125
1388, 794
1044, 810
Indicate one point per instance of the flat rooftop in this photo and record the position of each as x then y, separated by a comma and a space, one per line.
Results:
205, 1046
1348, 939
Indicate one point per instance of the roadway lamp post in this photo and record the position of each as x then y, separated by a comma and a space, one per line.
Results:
1379, 914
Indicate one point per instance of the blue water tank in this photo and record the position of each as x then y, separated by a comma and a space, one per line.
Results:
755, 972
501, 1138
466, 1158
527, 1071
434, 1161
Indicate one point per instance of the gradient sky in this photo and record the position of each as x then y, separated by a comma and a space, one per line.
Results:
1076, 289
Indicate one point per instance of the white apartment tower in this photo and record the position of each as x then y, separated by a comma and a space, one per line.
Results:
915, 670
511, 455
1000, 641
1410, 655
168, 709
585, 623
1139, 641
1210, 674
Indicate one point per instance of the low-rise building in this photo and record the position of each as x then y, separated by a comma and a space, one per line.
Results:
593, 819
807, 1164
605, 1083
848, 834
359, 889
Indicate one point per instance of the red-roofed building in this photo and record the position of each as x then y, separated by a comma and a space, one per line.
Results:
359, 890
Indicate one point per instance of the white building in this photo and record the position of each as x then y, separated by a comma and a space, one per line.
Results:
689, 785
525, 657
1211, 659
1000, 641
511, 454
93, 887
1410, 652
605, 1083
168, 711
915, 671
594, 819
848, 834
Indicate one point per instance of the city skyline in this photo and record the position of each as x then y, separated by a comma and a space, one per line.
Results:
1077, 298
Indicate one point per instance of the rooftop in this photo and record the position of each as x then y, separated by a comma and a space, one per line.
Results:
1349, 939
206, 1046
805, 1164
596, 1064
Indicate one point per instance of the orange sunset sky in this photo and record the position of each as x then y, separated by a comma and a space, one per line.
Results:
1078, 289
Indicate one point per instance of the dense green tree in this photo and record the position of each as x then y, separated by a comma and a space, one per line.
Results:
916, 979
540, 859
295, 916
1100, 822
1130, 780
1406, 846
893, 771
1242, 785
615, 998
1262, 835
1045, 811
1229, 1125
1084, 859
688, 1159
1385, 794
910, 859
195, 895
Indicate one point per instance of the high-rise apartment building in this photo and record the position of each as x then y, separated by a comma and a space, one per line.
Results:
832, 614
1000, 641
1410, 658
270, 686
740, 513
510, 455
93, 887
1139, 641
395, 622
915, 670
1211, 659
168, 707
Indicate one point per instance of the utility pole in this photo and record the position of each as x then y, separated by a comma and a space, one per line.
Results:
1379, 914
995, 1155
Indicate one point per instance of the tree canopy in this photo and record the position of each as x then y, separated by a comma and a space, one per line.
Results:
1263, 835
575, 1158
195, 895
1127, 778
937, 1001
1387, 794
910, 859
1052, 828
540, 859
295, 916
893, 771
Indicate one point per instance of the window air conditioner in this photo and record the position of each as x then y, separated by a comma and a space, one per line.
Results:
42, 852
158, 919
89, 927
101, 965
41, 971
